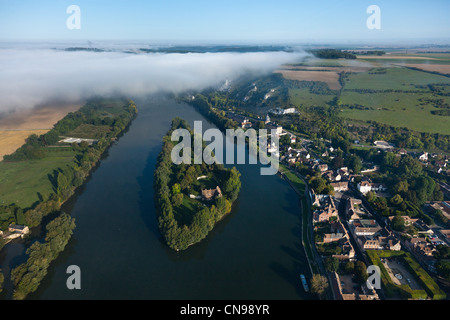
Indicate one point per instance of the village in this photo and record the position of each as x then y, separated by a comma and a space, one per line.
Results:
345, 223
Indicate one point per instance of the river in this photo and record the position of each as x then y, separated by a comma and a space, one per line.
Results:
253, 253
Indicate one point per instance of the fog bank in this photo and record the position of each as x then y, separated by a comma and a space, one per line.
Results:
29, 78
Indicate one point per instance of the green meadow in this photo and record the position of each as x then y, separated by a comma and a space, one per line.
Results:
304, 98
396, 109
391, 95
394, 78
26, 182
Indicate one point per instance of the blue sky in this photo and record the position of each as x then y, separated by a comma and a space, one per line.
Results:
221, 21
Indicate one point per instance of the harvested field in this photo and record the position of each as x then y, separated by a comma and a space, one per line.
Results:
10, 140
334, 69
330, 77
16, 127
400, 57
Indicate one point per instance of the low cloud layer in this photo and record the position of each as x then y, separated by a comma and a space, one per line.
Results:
29, 78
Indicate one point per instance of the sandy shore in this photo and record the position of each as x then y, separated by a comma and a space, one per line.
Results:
16, 127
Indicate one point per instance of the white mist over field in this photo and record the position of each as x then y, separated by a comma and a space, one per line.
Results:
31, 77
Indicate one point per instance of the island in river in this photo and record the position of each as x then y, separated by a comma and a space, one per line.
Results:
191, 198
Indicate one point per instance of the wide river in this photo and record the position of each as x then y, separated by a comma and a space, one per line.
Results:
254, 253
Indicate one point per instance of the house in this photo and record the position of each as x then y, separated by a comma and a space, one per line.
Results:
279, 129
388, 241
340, 186
421, 246
383, 145
378, 187
368, 243
423, 156
343, 171
246, 124
393, 244
332, 237
293, 138
16, 231
365, 227
326, 208
322, 167
210, 194
408, 221
364, 187
352, 212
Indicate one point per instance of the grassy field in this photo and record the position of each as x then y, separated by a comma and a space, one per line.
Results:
24, 182
395, 78
411, 106
295, 180
396, 109
304, 98
184, 213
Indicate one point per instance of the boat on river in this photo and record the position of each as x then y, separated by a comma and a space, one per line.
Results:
304, 282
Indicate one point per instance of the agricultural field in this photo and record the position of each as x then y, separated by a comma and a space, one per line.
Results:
304, 98
411, 110
394, 78
331, 78
27, 182
10, 140
17, 126
395, 92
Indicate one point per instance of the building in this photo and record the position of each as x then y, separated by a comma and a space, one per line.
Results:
364, 187
367, 186
210, 194
423, 156
340, 186
16, 231
246, 124
78, 140
383, 145
368, 243
352, 209
332, 237
326, 208
365, 227
421, 246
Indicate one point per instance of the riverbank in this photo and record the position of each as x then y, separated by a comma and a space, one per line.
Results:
301, 187
54, 181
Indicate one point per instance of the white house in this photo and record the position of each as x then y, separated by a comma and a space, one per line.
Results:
364, 187
423, 156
